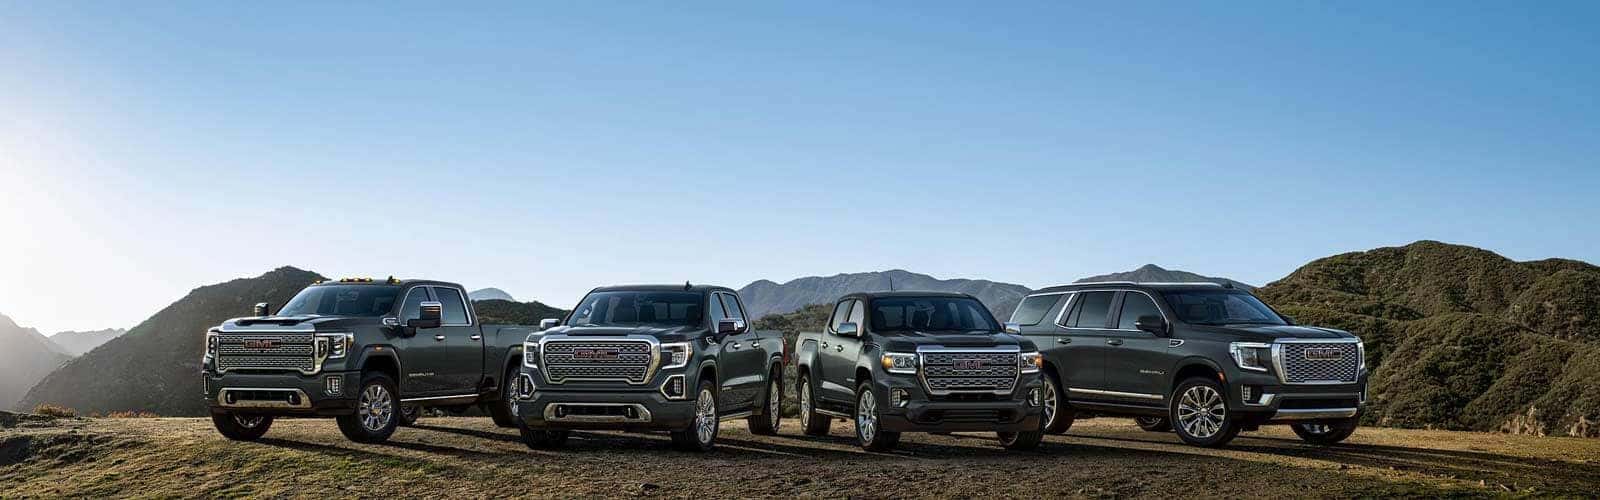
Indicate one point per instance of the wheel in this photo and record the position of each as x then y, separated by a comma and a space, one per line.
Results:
813, 423
543, 439
1153, 424
868, 431
1326, 433
701, 435
375, 418
409, 413
1057, 416
771, 417
503, 410
1021, 441
1200, 413
241, 427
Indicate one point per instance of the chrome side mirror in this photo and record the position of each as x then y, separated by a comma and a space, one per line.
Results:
261, 309
730, 326
849, 329
430, 316
1013, 327
548, 323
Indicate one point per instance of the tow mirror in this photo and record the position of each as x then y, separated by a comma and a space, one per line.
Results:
261, 309
1151, 323
849, 329
730, 327
1013, 328
548, 323
429, 317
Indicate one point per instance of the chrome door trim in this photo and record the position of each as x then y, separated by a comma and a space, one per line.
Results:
1136, 395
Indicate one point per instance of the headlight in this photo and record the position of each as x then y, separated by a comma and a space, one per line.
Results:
337, 345
894, 362
1030, 362
211, 344
676, 354
1253, 356
1361, 354
530, 354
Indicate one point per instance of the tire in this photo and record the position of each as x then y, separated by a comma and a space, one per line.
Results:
376, 412
1021, 441
241, 427
409, 414
771, 418
503, 410
869, 432
1199, 412
811, 422
1154, 424
701, 435
544, 439
1328, 433
1057, 415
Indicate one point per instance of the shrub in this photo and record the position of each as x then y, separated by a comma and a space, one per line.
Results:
51, 410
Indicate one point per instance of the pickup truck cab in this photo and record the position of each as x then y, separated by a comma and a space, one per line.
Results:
919, 362
678, 358
368, 353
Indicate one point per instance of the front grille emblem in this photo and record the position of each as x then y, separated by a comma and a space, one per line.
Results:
968, 364
1324, 353
261, 344
590, 354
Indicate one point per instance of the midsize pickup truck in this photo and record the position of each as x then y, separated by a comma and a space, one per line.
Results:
919, 362
369, 353
1212, 359
679, 358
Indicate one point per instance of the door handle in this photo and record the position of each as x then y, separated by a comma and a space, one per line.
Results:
1063, 340
439, 338
1113, 341
838, 347
476, 337
824, 345
734, 346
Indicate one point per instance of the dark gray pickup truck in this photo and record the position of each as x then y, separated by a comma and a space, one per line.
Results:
678, 358
369, 353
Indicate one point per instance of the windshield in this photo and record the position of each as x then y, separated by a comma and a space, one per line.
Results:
908, 314
342, 300
626, 308
1206, 307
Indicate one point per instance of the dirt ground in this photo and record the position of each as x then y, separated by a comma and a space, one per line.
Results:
469, 457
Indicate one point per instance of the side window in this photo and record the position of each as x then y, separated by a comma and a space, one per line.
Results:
455, 309
858, 314
1134, 305
1094, 308
1033, 309
841, 312
717, 312
412, 309
731, 304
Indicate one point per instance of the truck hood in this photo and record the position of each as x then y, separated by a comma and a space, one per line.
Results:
297, 323
910, 341
1268, 333
662, 333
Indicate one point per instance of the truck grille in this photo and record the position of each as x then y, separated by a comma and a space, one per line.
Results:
629, 361
1327, 362
946, 372
239, 351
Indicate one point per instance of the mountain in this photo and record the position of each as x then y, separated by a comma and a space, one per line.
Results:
25, 357
78, 343
766, 297
1151, 273
1460, 337
505, 312
490, 294
155, 366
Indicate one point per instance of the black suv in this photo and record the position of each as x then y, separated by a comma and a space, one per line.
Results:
1212, 359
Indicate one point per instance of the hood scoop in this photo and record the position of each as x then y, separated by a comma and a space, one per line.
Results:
273, 320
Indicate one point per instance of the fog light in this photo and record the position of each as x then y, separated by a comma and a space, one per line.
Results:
673, 388
1035, 397
899, 397
525, 387
1244, 393
334, 385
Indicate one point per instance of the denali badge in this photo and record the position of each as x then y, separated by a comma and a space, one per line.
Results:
596, 354
968, 364
1324, 353
260, 344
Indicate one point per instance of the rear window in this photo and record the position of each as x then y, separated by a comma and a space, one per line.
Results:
1033, 309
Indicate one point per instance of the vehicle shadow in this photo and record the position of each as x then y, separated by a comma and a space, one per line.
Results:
493, 436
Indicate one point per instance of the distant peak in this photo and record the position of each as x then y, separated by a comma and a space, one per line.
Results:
1150, 267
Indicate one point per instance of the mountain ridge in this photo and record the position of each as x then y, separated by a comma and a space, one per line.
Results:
26, 357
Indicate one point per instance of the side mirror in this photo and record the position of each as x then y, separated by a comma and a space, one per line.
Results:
849, 329
1151, 323
1013, 328
730, 326
1289, 320
548, 323
430, 316
261, 309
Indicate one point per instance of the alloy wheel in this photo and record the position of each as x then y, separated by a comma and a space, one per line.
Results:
805, 401
705, 416
1201, 411
1317, 428
248, 422
1049, 404
377, 408
774, 404
867, 416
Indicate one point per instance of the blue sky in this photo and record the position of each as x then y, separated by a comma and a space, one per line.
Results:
545, 148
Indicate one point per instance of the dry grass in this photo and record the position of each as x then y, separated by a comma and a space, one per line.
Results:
51, 410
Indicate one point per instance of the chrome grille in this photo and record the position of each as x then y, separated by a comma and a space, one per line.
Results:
1298, 369
945, 372
629, 361
289, 352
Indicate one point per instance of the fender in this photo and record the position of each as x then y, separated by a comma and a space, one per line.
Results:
701, 368
1193, 360
805, 357
507, 364
380, 351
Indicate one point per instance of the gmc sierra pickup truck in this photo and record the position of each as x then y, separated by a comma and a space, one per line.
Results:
1204, 360
369, 353
919, 362
679, 358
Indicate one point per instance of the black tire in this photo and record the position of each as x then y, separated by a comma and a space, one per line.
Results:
1154, 424
1058, 415
770, 419
409, 414
701, 434
811, 422
376, 412
503, 410
544, 439
869, 431
1021, 441
242, 427
1204, 402
1327, 433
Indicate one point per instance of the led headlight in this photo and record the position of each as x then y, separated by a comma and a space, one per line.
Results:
1361, 354
1030, 362
675, 355
1253, 356
895, 362
530, 354
211, 344
334, 345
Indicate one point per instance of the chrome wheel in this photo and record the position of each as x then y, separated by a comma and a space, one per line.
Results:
377, 408
867, 416
1049, 404
705, 417
1201, 411
248, 422
805, 401
774, 404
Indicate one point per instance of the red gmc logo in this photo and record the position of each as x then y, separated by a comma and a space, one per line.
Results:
260, 344
595, 354
968, 364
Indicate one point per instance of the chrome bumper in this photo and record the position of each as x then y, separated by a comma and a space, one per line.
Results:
1315, 414
554, 412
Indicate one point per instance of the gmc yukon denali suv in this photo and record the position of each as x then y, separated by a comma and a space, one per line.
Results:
1203, 360
678, 358
919, 362
369, 353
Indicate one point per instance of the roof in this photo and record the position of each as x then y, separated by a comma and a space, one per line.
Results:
1137, 286
907, 293
685, 287
388, 281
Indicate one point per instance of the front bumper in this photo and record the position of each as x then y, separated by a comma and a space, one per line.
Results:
922, 412
1271, 402
286, 394
631, 410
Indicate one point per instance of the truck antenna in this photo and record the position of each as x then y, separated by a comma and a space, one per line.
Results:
891, 284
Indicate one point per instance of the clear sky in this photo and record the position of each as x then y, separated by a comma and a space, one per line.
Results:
547, 148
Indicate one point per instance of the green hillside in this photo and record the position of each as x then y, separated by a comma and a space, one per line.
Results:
505, 312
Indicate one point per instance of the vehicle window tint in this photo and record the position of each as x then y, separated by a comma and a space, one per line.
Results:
857, 314
1032, 309
717, 311
841, 312
455, 309
1134, 305
412, 309
731, 305
1094, 310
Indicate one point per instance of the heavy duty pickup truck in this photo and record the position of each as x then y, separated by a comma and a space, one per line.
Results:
369, 353
679, 358
1206, 361
919, 362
